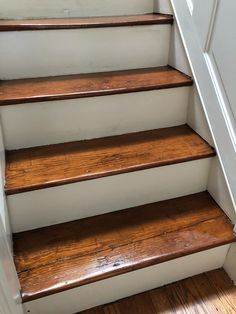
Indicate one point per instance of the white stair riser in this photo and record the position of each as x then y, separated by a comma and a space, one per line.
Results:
72, 8
28, 54
112, 289
50, 206
36, 124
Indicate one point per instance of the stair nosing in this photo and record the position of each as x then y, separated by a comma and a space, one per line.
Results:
94, 172
84, 23
59, 183
153, 262
187, 245
10, 90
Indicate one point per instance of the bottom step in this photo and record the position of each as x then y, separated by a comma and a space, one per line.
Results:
132, 283
211, 293
86, 252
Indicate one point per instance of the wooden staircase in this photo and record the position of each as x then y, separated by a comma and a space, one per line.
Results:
105, 181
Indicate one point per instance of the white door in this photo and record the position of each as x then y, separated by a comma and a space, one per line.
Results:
214, 20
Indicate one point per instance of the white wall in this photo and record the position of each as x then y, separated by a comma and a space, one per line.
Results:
208, 34
196, 118
10, 300
3, 208
214, 22
163, 6
202, 30
72, 8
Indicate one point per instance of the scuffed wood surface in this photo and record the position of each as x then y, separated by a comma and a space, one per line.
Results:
64, 256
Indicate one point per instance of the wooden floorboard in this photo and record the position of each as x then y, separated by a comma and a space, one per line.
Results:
87, 85
64, 256
53, 165
210, 293
92, 22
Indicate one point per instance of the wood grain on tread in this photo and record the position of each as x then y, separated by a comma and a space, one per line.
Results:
92, 22
198, 294
53, 165
87, 85
64, 256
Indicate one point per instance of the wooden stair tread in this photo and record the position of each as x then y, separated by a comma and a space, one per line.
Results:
91, 22
53, 165
87, 85
64, 256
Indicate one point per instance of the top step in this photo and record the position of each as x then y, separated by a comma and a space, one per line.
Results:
75, 23
72, 8
94, 44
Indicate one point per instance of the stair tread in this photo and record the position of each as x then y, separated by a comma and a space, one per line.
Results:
68, 255
91, 22
53, 165
87, 85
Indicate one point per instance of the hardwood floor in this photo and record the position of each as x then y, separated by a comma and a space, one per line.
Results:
211, 293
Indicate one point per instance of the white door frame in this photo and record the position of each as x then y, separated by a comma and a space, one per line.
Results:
10, 299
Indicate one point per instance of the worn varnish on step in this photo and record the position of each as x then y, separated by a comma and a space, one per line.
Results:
53, 165
92, 22
68, 255
87, 85
212, 293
